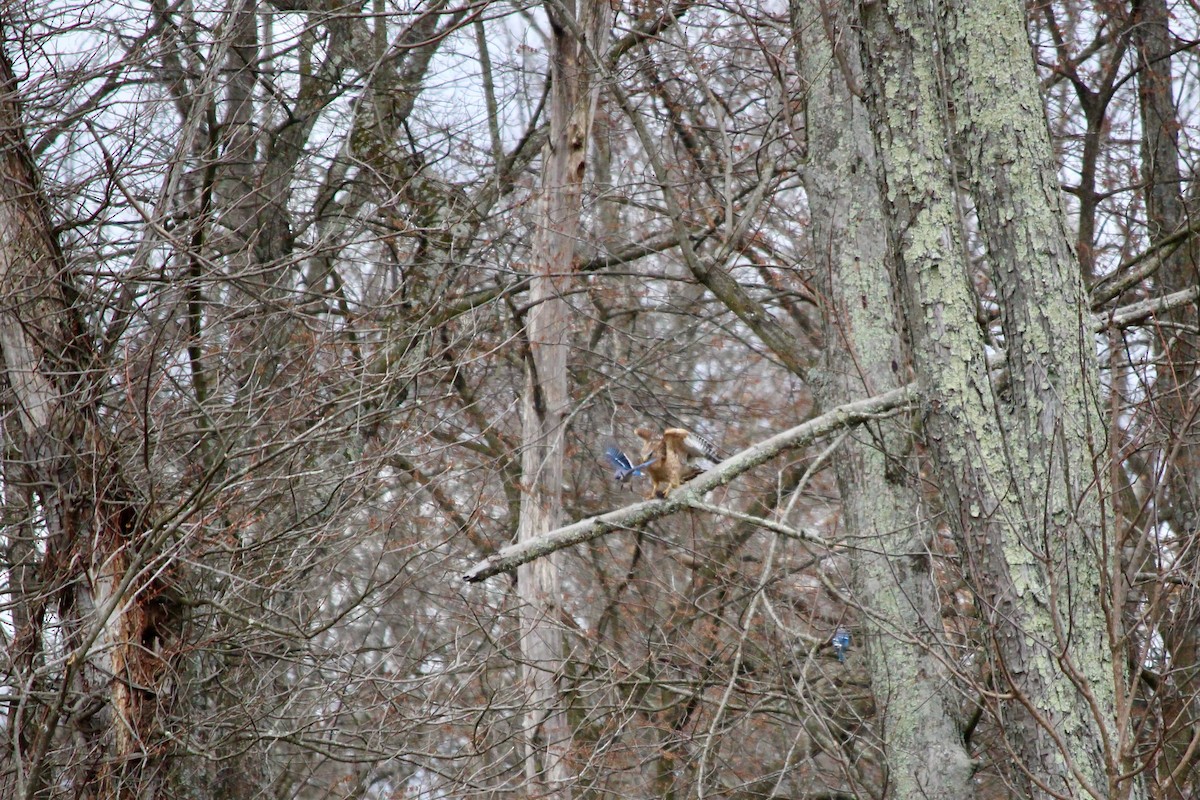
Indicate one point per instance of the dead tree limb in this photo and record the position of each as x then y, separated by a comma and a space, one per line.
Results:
638, 514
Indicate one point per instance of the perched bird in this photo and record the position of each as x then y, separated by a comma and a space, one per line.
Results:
625, 469
668, 455
841, 643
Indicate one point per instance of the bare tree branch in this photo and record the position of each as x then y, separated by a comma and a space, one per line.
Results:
686, 496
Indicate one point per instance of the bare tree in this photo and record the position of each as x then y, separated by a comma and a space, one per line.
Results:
86, 555
312, 308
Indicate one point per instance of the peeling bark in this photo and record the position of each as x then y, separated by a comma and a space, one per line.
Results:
1015, 464
545, 403
94, 541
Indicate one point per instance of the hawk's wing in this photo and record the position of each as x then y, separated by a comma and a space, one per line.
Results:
693, 444
650, 442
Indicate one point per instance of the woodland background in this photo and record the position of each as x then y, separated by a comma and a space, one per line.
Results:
309, 307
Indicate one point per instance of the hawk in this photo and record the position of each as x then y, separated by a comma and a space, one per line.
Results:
667, 457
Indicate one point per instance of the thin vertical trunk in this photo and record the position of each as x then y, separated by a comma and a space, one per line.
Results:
1174, 389
892, 567
544, 405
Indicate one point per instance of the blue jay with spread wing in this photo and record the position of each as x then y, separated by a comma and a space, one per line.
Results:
625, 469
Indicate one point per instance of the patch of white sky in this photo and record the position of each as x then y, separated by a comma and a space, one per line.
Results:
62, 56
710, 60
450, 119
1185, 26
134, 125
1119, 161
454, 90
1128, 359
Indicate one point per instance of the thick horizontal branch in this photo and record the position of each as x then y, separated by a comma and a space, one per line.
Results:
638, 514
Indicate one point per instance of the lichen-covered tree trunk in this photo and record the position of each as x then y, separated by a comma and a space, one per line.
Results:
544, 404
1056, 567
877, 473
1014, 461
86, 552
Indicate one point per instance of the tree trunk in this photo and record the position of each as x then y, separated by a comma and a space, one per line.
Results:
1174, 392
877, 473
1056, 567
95, 550
545, 402
1015, 462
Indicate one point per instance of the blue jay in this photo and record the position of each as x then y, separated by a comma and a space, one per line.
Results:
841, 643
625, 469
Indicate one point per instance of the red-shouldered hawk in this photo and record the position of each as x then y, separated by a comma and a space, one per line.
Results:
668, 458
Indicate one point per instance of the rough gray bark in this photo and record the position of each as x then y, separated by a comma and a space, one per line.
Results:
877, 470
544, 408
1058, 586
1015, 466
